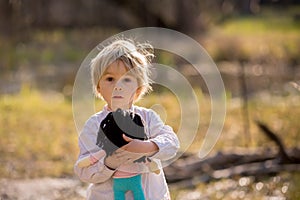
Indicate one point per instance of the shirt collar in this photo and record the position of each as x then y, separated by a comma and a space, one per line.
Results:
107, 110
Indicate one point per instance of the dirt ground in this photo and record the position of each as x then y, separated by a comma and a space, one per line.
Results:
42, 189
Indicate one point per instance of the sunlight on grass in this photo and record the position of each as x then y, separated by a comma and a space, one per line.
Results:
38, 135
261, 25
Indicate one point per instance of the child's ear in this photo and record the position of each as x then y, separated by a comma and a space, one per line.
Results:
98, 88
98, 92
138, 92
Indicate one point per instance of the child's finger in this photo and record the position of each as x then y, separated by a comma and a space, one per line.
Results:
93, 160
126, 138
99, 154
129, 156
84, 162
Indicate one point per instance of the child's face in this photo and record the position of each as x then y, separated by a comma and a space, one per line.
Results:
118, 86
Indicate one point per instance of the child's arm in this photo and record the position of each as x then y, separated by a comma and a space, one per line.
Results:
91, 159
163, 143
98, 172
101, 170
145, 148
163, 136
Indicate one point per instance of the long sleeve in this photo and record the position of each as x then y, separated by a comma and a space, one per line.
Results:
163, 136
98, 172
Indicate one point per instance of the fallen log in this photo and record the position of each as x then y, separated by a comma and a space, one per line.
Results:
189, 167
254, 169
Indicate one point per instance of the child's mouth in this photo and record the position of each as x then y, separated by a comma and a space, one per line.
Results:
117, 97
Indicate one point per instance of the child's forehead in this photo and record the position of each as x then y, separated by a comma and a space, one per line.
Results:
118, 67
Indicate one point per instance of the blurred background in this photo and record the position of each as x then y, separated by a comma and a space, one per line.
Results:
254, 43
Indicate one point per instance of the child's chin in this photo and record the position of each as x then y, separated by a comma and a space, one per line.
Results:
118, 104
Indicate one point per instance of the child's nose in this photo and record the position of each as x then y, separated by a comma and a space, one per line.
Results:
118, 88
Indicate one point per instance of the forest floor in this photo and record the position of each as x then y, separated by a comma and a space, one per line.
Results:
42, 188
277, 187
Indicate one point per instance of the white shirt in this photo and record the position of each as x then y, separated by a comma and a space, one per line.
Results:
100, 177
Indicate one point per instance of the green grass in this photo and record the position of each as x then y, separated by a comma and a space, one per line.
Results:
261, 25
265, 38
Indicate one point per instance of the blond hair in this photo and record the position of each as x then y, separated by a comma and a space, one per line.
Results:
135, 56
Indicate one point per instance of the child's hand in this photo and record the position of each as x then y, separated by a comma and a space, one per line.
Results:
132, 151
118, 158
144, 148
91, 159
95, 157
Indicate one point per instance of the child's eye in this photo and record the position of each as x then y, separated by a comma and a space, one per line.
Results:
110, 79
127, 80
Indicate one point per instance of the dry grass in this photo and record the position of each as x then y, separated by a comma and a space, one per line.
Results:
39, 136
